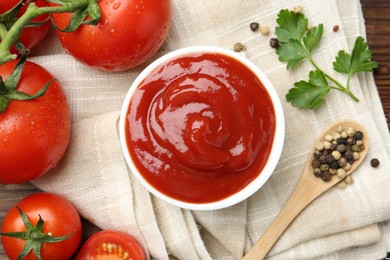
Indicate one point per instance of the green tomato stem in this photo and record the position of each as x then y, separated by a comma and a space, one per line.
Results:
10, 37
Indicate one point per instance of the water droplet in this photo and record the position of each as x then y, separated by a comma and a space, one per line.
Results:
117, 5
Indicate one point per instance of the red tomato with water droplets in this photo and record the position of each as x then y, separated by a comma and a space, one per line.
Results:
34, 134
129, 33
60, 219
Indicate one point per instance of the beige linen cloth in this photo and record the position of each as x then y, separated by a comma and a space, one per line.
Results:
342, 224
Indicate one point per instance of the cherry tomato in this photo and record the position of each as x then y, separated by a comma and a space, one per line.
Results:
60, 219
34, 134
129, 33
30, 36
110, 245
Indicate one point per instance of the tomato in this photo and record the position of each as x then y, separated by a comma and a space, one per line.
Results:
129, 33
111, 245
30, 36
34, 134
60, 219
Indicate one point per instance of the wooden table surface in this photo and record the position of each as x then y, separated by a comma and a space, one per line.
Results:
377, 15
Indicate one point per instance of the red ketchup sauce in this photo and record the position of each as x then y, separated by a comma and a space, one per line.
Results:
200, 128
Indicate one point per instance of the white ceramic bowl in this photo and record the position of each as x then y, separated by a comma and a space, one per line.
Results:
277, 144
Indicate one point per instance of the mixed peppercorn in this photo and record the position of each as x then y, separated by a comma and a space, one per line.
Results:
335, 154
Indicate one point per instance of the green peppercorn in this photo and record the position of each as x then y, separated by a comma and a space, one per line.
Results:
356, 148
324, 167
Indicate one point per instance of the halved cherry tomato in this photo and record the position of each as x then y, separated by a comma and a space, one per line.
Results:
30, 36
111, 245
129, 33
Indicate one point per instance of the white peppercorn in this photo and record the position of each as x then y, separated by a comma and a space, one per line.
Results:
347, 166
336, 155
332, 171
341, 185
339, 129
348, 179
359, 142
298, 9
356, 156
264, 30
336, 136
328, 138
327, 145
344, 134
350, 131
341, 173
319, 146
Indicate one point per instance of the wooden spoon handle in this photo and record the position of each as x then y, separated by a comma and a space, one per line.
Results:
299, 199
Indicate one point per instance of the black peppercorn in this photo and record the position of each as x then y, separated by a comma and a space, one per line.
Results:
334, 165
358, 135
315, 163
341, 140
329, 159
351, 140
375, 162
322, 159
333, 147
254, 26
326, 176
348, 155
341, 148
274, 43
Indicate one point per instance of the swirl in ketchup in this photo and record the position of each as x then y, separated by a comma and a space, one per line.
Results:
200, 128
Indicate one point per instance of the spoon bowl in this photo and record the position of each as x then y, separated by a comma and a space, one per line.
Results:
308, 188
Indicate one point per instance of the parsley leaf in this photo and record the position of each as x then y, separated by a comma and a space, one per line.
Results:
313, 37
358, 61
310, 94
296, 44
291, 26
291, 52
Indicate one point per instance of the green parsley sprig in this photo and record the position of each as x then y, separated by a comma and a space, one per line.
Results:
297, 44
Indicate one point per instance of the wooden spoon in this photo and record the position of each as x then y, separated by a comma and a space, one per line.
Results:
308, 188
